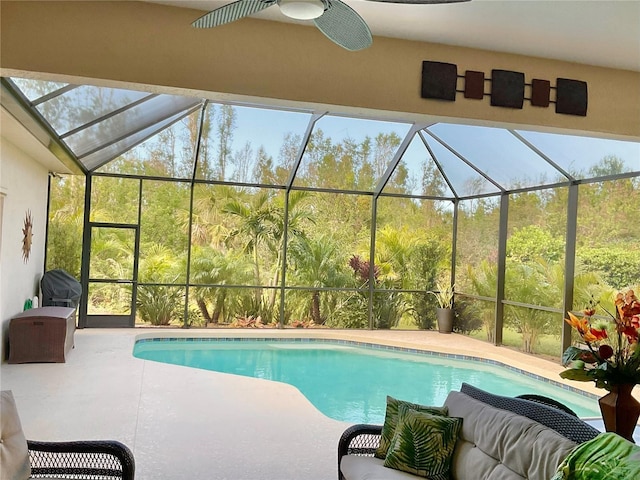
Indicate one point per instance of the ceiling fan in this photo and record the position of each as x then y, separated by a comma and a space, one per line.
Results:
339, 22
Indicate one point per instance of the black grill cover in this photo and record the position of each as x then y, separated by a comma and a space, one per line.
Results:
59, 289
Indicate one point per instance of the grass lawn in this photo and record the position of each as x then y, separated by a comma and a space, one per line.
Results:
547, 346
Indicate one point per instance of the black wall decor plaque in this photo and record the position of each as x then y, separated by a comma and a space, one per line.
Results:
507, 89
571, 97
439, 80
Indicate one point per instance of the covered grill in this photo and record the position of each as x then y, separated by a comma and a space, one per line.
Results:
60, 289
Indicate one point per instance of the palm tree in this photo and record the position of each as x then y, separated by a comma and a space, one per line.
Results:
261, 228
316, 264
527, 284
256, 225
484, 280
158, 304
212, 267
299, 215
208, 226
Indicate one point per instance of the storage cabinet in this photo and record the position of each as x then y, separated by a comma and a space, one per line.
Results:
42, 335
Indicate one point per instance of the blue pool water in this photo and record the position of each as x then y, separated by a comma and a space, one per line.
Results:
348, 381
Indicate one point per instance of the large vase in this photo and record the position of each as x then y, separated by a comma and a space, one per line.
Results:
620, 410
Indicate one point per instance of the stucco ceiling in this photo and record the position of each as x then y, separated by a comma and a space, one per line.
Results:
594, 32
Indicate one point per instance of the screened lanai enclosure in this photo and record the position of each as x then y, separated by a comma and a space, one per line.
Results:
194, 213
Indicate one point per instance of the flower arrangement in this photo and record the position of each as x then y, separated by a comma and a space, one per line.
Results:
612, 356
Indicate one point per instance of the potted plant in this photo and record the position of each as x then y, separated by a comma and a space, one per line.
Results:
444, 313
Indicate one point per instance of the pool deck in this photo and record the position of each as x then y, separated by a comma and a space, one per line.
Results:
189, 423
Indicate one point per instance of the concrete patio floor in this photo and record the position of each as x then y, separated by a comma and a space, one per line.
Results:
184, 423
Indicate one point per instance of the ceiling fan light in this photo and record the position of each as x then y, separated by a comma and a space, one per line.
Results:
302, 9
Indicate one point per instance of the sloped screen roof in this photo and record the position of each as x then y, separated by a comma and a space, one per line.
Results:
99, 125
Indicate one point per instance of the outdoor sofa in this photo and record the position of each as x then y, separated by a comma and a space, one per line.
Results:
21, 459
500, 438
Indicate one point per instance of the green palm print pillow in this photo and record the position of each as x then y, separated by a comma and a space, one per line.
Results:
423, 444
391, 420
606, 457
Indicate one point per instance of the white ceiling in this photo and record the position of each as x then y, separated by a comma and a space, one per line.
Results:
595, 32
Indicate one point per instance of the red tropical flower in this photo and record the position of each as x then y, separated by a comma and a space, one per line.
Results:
599, 334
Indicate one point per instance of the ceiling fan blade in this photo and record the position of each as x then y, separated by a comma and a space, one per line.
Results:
342, 25
231, 12
420, 2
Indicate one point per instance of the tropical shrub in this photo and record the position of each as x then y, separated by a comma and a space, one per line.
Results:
619, 267
467, 316
158, 305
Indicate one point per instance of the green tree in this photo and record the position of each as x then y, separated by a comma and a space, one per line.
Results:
316, 263
159, 304
530, 243
213, 267
618, 266
225, 129
484, 281
256, 225
428, 258
66, 221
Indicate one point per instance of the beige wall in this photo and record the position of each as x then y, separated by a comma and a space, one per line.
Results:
23, 181
139, 43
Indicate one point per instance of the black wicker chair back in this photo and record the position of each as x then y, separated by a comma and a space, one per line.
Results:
547, 401
95, 459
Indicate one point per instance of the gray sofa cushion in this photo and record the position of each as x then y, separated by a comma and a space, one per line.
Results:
497, 444
355, 467
14, 453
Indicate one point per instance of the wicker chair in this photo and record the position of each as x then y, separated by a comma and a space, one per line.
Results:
85, 460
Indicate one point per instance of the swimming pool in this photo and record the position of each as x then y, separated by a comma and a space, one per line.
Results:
349, 381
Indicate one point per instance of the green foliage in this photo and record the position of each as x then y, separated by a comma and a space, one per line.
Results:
316, 263
158, 305
533, 242
389, 308
484, 283
444, 295
66, 217
248, 304
353, 312
217, 269
467, 317
428, 259
64, 249
618, 266
424, 310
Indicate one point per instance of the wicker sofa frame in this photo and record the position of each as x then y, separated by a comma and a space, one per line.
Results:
75, 460
363, 439
87, 460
